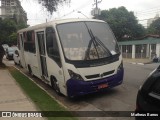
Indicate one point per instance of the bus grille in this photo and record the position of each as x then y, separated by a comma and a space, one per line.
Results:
99, 75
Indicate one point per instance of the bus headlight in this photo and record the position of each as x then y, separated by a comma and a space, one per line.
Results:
120, 67
74, 75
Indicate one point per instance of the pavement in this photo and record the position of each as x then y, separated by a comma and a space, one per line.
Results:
138, 61
12, 97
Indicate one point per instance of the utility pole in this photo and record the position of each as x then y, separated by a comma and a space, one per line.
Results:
96, 11
96, 4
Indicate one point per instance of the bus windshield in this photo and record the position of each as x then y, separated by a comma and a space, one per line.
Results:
87, 40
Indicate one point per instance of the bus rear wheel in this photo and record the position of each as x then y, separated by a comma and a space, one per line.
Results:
55, 86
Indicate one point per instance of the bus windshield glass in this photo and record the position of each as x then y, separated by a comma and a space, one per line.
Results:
87, 40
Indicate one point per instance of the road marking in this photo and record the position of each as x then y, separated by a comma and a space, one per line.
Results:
140, 63
134, 63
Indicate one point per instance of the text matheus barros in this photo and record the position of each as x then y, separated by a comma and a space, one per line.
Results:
144, 114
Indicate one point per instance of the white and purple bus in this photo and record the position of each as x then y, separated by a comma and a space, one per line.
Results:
74, 56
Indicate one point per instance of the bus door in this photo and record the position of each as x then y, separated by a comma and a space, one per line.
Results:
42, 54
54, 61
22, 59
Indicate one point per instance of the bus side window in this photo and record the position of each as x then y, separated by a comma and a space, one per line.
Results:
52, 46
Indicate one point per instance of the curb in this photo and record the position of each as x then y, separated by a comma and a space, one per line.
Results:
42, 89
136, 63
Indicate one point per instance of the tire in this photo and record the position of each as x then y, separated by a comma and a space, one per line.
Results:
15, 63
55, 85
30, 70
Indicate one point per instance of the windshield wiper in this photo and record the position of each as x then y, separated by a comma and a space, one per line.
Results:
96, 42
103, 46
90, 44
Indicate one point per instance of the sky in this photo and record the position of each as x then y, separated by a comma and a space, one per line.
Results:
143, 9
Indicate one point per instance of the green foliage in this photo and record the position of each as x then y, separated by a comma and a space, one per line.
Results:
13, 39
154, 28
123, 23
8, 30
8, 33
21, 26
7, 27
51, 5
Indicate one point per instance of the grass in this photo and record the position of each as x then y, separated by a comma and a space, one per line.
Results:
41, 99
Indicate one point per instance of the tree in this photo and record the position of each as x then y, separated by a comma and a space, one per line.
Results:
123, 23
13, 39
21, 25
7, 27
51, 5
154, 27
8, 34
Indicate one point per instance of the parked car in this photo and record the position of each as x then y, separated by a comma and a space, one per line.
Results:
155, 58
148, 98
16, 57
10, 52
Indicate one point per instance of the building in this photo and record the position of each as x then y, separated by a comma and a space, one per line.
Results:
146, 48
13, 9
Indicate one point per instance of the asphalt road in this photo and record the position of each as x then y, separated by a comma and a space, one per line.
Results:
120, 98
136, 74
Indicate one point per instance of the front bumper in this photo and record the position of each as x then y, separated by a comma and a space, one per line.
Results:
80, 87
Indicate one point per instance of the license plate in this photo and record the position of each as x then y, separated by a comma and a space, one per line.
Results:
102, 86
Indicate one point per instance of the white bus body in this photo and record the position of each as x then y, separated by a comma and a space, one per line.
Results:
75, 56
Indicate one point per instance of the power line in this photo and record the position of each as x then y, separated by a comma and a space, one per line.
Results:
79, 8
144, 19
157, 11
36, 19
148, 9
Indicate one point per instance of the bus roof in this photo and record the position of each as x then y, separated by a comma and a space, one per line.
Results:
54, 22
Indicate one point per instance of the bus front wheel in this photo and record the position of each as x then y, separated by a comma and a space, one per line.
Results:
54, 84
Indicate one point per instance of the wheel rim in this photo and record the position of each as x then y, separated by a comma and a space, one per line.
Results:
55, 85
